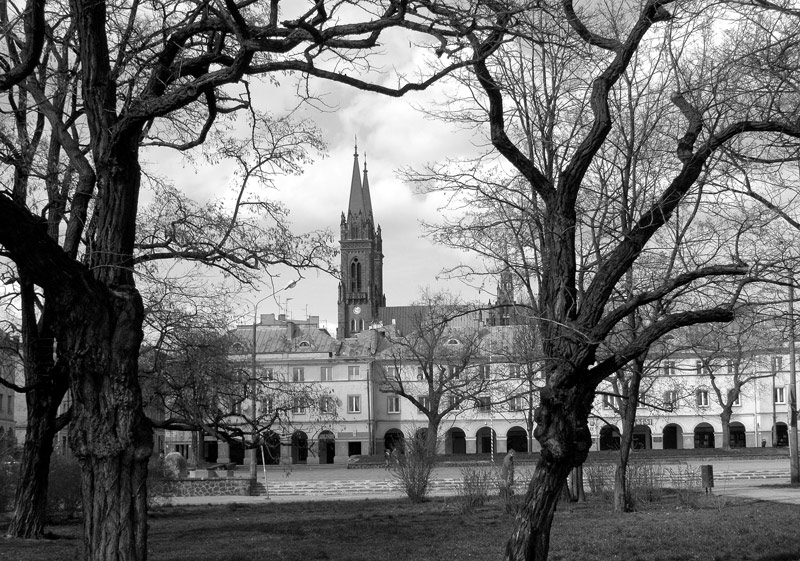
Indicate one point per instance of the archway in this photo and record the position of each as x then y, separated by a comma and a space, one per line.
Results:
299, 447
326, 446
673, 437
236, 452
455, 441
485, 441
517, 439
738, 438
609, 438
642, 438
270, 452
392, 439
781, 434
704, 436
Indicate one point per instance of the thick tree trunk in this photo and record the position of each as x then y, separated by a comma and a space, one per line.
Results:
109, 434
725, 418
563, 432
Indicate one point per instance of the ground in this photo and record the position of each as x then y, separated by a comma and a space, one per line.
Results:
675, 527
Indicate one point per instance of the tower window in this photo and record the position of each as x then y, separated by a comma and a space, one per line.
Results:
355, 276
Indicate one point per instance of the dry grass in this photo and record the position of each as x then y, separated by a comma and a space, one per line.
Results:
436, 531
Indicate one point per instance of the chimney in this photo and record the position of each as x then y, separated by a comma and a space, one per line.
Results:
290, 330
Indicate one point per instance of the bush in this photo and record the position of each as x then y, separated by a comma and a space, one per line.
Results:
645, 482
600, 478
64, 487
473, 490
414, 467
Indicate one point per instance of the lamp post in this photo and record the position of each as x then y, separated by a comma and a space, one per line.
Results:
794, 459
252, 453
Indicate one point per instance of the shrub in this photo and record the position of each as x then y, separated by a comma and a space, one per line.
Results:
685, 480
473, 490
600, 478
414, 467
645, 481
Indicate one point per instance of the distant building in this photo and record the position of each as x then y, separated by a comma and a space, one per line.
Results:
10, 370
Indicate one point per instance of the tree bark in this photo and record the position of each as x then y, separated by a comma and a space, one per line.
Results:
562, 430
725, 418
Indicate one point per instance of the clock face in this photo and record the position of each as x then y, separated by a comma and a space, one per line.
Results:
357, 310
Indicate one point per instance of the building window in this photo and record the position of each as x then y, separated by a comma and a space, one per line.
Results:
669, 368
670, 399
730, 367
420, 374
453, 342
777, 363
516, 403
327, 404
304, 344
299, 406
453, 371
483, 371
738, 400
355, 276
610, 401
702, 398
393, 404
267, 404
353, 373
424, 402
514, 370
354, 404
453, 402
325, 373
698, 367
269, 374
391, 372
484, 404
780, 395
298, 374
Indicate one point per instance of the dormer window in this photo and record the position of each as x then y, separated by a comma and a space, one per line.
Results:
453, 342
237, 347
304, 344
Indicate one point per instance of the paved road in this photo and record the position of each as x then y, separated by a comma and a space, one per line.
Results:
762, 479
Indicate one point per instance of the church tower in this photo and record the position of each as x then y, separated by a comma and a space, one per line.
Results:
361, 286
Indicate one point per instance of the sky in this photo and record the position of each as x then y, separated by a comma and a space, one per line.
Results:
392, 134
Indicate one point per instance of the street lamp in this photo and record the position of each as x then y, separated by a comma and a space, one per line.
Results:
252, 453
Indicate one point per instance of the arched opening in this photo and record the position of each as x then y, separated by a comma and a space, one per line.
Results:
270, 452
326, 444
393, 439
738, 438
236, 452
455, 441
642, 438
355, 276
517, 439
673, 437
704, 436
485, 441
299, 447
609, 438
781, 434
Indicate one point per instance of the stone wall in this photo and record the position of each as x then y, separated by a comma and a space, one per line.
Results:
204, 487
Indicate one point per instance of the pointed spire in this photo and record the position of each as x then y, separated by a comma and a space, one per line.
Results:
365, 189
356, 197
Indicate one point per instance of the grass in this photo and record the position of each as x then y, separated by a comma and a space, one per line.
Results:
436, 531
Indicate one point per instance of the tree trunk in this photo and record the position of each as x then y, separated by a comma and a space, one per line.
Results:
109, 433
562, 430
725, 418
30, 500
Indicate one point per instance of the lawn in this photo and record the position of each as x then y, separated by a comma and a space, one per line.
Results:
712, 529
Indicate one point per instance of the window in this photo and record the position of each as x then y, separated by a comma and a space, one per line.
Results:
516, 403
514, 370
483, 371
698, 367
670, 399
269, 374
298, 374
738, 399
391, 372
354, 404
1, 404
610, 401
326, 373
484, 404
393, 404
777, 364
453, 402
420, 373
453, 342
299, 406
730, 367
453, 371
702, 398
304, 344
355, 276
353, 373
327, 404
424, 402
669, 368
780, 395
267, 404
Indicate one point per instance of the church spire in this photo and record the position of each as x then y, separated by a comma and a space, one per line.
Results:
365, 191
356, 195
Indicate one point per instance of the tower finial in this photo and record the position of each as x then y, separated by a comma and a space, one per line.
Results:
355, 144
365, 161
